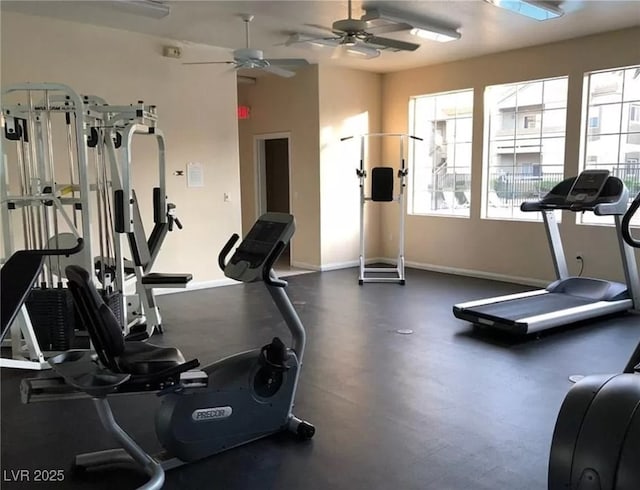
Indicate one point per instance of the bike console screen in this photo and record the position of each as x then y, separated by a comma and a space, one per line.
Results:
247, 261
261, 239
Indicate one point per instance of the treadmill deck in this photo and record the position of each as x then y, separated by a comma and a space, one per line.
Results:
530, 306
527, 314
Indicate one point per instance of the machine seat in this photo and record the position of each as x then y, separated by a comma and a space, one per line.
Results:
134, 358
143, 358
157, 278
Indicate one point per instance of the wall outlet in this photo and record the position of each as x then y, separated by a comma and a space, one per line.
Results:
226, 197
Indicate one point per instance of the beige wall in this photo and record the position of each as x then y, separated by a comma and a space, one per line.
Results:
324, 187
196, 107
516, 249
350, 102
286, 105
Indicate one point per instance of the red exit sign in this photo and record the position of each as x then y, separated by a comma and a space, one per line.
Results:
244, 112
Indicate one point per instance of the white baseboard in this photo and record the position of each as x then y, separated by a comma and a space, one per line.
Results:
193, 286
304, 265
340, 265
332, 266
526, 281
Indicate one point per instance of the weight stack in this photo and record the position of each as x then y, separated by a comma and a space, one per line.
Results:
113, 300
52, 315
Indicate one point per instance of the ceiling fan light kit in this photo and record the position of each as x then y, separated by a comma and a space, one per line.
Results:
537, 10
433, 35
362, 38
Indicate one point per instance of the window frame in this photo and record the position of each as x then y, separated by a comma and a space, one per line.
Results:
411, 194
539, 114
621, 135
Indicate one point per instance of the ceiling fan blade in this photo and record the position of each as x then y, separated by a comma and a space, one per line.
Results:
339, 52
209, 62
309, 40
322, 28
359, 51
392, 44
281, 72
288, 61
394, 27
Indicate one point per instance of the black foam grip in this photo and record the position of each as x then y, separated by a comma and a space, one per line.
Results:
118, 205
157, 209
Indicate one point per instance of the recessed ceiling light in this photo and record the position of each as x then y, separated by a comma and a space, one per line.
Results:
537, 10
156, 9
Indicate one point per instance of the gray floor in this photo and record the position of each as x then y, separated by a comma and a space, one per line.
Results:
445, 408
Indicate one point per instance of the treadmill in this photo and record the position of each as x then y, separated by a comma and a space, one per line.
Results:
568, 299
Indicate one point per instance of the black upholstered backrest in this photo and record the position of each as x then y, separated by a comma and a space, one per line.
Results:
137, 238
99, 320
17, 277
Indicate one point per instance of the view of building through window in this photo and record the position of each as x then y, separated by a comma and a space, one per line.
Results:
525, 138
524, 143
611, 139
440, 165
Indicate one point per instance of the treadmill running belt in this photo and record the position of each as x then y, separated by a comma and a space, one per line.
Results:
530, 306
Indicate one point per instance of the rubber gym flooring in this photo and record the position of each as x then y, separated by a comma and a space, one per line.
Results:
444, 408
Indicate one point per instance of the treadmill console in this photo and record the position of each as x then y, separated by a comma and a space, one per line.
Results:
249, 259
587, 186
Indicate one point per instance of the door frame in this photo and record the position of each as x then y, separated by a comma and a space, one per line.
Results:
260, 183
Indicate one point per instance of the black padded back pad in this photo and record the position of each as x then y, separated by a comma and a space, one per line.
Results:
138, 238
382, 184
98, 319
17, 277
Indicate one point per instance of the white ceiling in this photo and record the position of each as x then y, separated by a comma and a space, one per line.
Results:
484, 28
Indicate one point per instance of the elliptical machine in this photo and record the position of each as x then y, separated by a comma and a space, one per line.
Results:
231, 402
596, 441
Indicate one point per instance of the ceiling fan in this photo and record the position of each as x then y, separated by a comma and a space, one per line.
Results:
250, 58
357, 37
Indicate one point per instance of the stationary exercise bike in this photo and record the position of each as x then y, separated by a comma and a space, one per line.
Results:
233, 401
596, 441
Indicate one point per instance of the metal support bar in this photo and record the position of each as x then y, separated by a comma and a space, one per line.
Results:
25, 350
555, 244
629, 265
295, 326
134, 453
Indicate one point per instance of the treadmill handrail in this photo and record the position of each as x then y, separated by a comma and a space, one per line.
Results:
607, 205
626, 223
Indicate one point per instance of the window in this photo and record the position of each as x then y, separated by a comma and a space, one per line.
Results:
440, 176
524, 147
530, 122
614, 97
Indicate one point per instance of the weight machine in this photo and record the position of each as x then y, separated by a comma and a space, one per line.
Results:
66, 174
36, 120
382, 190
